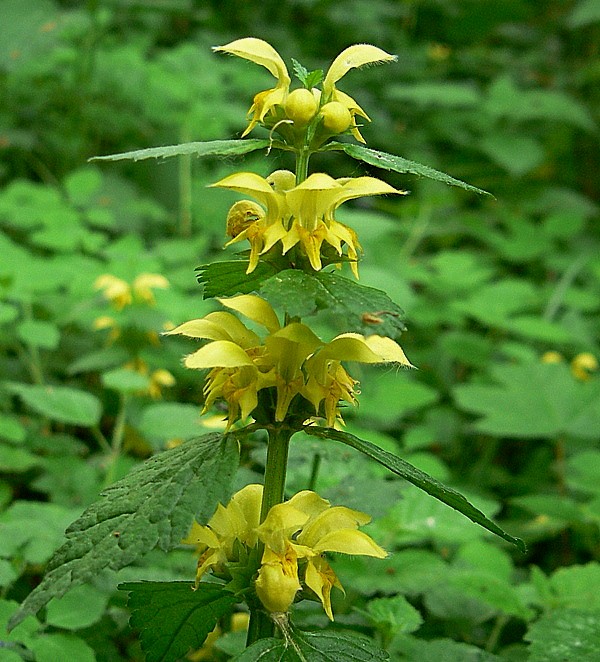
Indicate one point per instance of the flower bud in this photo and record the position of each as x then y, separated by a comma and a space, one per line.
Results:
275, 588
336, 117
241, 215
301, 106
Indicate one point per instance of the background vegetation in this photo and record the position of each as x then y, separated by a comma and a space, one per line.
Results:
501, 296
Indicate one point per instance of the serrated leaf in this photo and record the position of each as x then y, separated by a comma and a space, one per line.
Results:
565, 634
208, 148
315, 647
224, 279
417, 477
172, 617
59, 403
359, 308
400, 164
154, 505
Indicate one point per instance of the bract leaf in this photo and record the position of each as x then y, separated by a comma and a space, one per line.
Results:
400, 164
154, 505
224, 279
208, 148
417, 477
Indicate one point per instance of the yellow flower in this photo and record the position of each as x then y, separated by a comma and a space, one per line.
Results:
260, 52
582, 365
277, 582
237, 522
121, 294
302, 214
292, 359
352, 57
305, 528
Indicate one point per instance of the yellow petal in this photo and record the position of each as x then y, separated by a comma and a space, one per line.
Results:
218, 354
320, 578
349, 541
259, 52
201, 535
217, 326
331, 520
254, 308
388, 350
352, 57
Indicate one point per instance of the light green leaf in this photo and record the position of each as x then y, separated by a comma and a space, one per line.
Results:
173, 618
59, 403
584, 13
440, 650
38, 334
125, 381
209, 148
565, 634
154, 505
533, 400
315, 647
400, 164
418, 478
53, 647
79, 608
440, 94
395, 614
16, 460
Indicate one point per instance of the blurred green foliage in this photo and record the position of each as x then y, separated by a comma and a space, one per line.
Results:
502, 299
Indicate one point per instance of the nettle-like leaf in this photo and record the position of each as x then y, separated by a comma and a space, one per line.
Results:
533, 400
154, 505
314, 647
417, 477
173, 618
359, 308
208, 148
225, 279
400, 164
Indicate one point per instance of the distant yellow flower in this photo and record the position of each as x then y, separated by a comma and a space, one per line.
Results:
121, 294
582, 365
552, 357
291, 359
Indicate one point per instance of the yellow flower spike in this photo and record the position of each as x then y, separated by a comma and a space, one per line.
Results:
254, 308
262, 53
352, 57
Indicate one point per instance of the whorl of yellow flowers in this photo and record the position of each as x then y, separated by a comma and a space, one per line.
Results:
291, 359
295, 534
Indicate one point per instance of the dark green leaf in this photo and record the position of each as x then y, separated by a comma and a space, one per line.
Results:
315, 647
400, 164
358, 308
417, 477
154, 505
172, 617
209, 148
224, 279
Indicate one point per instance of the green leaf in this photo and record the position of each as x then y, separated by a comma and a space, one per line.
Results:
36, 333
167, 420
400, 164
565, 634
154, 505
16, 460
80, 608
173, 618
52, 647
59, 403
441, 650
417, 477
358, 308
224, 279
533, 400
314, 647
208, 148
395, 614
125, 381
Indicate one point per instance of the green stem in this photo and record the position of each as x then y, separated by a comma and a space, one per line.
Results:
261, 625
302, 157
314, 472
117, 440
